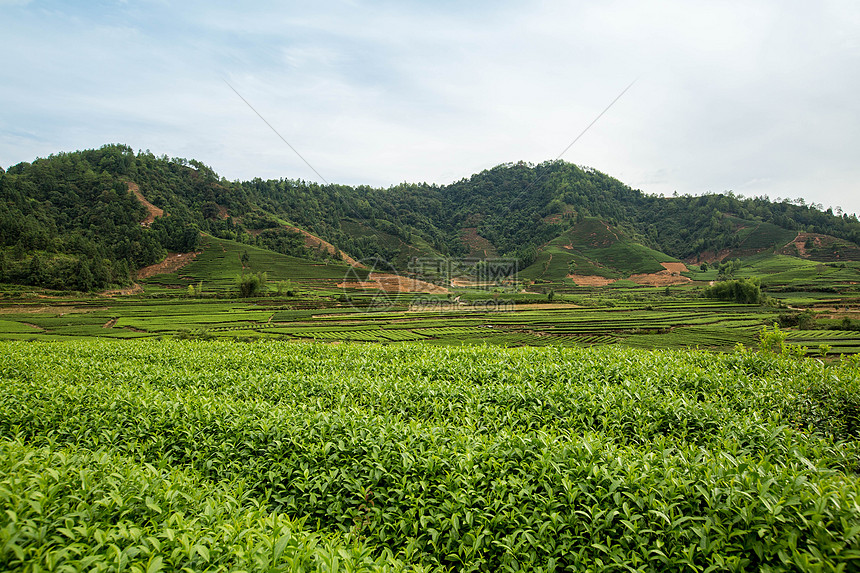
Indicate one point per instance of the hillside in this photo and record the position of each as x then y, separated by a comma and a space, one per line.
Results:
90, 219
220, 261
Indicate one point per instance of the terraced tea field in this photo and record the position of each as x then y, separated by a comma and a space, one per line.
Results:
220, 261
839, 341
670, 324
168, 455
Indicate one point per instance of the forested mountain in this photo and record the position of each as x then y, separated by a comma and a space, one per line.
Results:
70, 220
520, 206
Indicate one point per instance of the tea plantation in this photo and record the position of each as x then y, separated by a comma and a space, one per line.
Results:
282, 456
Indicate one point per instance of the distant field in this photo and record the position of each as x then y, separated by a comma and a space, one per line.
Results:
625, 314
787, 274
657, 325
838, 341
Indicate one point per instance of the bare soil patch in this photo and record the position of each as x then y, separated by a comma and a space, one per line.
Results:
675, 267
152, 210
659, 279
799, 244
394, 283
478, 245
841, 249
837, 312
590, 280
670, 275
171, 263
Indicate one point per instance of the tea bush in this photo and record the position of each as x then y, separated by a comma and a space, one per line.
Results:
462, 458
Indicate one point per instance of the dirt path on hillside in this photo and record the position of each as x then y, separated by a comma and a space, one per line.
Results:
171, 263
152, 210
800, 242
125, 291
605, 224
314, 242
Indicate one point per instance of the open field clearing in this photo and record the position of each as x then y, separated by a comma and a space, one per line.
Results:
150, 455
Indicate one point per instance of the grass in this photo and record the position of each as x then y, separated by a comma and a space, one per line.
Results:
553, 264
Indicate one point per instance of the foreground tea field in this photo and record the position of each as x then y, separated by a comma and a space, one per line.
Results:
280, 456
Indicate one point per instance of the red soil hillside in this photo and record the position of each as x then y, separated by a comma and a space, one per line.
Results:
171, 263
478, 245
314, 242
152, 210
821, 248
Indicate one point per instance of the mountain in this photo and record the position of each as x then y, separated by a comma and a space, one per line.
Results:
88, 219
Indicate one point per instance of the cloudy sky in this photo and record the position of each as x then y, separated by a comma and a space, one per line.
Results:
760, 98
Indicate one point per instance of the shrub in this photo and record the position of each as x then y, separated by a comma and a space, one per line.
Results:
745, 291
251, 284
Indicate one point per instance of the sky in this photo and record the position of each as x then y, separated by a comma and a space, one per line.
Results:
753, 97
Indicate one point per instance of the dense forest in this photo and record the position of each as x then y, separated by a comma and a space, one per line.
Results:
69, 220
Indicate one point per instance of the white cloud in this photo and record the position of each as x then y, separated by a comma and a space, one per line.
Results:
755, 97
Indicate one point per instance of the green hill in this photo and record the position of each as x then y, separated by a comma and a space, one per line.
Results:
592, 247
72, 221
221, 261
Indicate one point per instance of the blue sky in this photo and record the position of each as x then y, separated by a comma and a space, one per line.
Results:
754, 97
